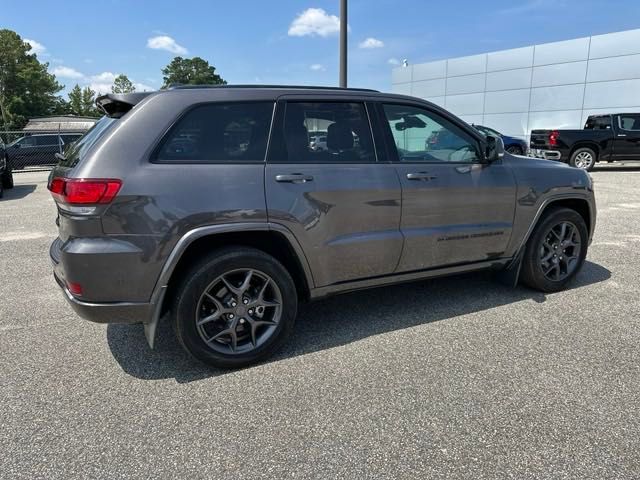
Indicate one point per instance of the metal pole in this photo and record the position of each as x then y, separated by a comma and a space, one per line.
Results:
343, 43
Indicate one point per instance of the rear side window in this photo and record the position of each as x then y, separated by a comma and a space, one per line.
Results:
218, 132
324, 132
47, 140
74, 152
598, 123
629, 122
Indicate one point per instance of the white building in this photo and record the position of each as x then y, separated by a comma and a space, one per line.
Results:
552, 85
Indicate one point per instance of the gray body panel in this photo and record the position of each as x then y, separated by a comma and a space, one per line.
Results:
347, 219
354, 226
463, 214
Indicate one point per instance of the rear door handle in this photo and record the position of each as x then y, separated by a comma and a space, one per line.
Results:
420, 176
294, 178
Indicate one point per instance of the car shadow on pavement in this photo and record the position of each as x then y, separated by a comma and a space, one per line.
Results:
617, 168
18, 191
339, 320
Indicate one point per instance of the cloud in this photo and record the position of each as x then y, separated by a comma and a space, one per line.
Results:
36, 47
371, 43
393, 61
317, 67
141, 87
67, 72
105, 77
165, 42
102, 82
314, 21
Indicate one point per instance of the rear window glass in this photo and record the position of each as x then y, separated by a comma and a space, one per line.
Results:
219, 132
598, 123
75, 151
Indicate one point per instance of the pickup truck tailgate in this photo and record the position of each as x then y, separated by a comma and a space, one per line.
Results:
540, 138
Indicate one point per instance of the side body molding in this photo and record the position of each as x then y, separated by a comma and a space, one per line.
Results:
160, 288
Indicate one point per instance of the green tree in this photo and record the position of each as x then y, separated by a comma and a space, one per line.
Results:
122, 84
190, 71
26, 88
82, 101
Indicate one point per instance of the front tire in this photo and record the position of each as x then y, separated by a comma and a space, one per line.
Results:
555, 251
583, 158
235, 307
514, 150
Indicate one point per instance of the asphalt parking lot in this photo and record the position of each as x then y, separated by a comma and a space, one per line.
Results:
457, 378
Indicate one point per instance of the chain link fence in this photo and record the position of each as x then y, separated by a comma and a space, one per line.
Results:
35, 150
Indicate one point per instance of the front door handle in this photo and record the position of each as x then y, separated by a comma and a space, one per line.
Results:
294, 178
420, 176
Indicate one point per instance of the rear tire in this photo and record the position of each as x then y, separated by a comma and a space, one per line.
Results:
226, 316
555, 251
583, 158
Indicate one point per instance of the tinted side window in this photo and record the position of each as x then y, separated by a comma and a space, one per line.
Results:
47, 140
629, 122
598, 123
27, 142
423, 136
216, 132
327, 132
67, 139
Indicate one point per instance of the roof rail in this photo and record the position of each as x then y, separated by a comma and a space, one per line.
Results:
288, 87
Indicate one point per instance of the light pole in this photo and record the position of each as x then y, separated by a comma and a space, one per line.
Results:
343, 43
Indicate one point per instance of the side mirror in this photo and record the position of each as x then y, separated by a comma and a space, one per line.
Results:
495, 149
17, 145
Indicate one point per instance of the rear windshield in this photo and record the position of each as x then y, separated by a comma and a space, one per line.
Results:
74, 152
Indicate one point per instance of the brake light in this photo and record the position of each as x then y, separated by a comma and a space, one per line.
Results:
74, 288
553, 138
84, 191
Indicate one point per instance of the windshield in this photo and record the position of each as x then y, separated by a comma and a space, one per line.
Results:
75, 151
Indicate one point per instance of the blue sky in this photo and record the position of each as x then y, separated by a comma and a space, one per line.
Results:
291, 42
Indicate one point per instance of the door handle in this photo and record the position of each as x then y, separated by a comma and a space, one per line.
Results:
622, 135
420, 176
294, 178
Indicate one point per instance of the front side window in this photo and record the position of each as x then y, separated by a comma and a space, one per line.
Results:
328, 132
231, 132
423, 136
629, 122
27, 142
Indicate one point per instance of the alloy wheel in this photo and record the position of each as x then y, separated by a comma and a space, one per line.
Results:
559, 252
239, 311
583, 160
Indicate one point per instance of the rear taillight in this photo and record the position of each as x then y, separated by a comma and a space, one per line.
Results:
74, 288
84, 191
553, 138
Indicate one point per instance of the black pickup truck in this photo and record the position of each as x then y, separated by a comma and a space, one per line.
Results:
604, 138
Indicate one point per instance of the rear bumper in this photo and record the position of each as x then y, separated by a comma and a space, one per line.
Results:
546, 154
99, 312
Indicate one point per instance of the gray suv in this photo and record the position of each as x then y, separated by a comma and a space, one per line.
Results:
209, 206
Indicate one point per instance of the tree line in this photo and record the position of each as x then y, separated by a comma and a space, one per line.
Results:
28, 89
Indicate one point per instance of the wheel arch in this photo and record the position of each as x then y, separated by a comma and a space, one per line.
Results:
586, 144
269, 238
576, 203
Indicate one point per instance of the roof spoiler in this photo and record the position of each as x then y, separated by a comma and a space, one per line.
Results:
115, 105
